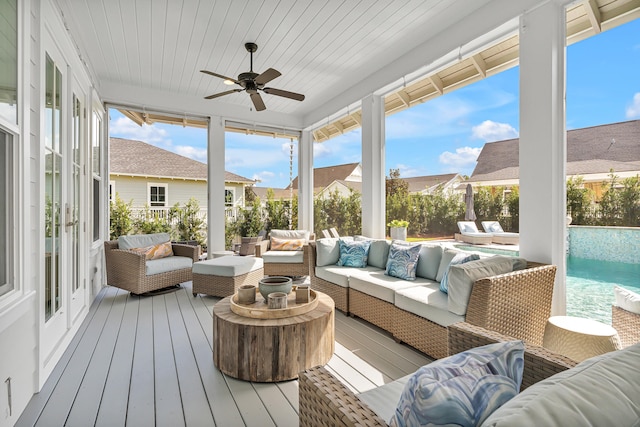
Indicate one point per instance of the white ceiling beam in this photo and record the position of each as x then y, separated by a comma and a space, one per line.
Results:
404, 97
593, 12
437, 83
480, 65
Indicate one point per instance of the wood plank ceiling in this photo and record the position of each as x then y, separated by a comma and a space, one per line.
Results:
321, 47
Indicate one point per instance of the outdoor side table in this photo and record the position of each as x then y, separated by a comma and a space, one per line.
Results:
578, 338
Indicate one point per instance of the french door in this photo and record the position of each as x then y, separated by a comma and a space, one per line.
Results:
65, 136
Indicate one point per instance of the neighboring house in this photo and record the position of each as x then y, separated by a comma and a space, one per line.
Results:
592, 153
348, 177
429, 183
150, 176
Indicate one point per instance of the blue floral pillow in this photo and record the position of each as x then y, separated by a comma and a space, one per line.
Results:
403, 261
458, 259
463, 389
354, 253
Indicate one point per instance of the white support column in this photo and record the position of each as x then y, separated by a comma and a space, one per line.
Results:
305, 181
543, 141
215, 201
373, 168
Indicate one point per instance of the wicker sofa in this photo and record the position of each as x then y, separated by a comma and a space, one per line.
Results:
516, 303
131, 271
580, 396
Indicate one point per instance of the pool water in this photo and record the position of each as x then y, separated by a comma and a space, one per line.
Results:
590, 286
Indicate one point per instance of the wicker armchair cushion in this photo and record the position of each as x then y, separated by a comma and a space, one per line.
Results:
463, 389
600, 391
278, 244
384, 399
163, 265
627, 300
463, 276
142, 240
429, 261
161, 250
290, 234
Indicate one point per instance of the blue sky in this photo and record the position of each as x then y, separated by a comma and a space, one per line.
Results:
445, 134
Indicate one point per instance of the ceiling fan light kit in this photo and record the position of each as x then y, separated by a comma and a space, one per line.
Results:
252, 82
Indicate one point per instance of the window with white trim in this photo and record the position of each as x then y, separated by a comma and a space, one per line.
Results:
6, 205
112, 191
157, 195
229, 196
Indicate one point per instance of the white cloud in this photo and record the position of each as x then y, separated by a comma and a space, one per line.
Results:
125, 128
463, 158
263, 177
490, 131
199, 154
633, 110
407, 171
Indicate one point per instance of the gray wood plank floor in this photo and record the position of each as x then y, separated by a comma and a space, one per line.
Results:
147, 361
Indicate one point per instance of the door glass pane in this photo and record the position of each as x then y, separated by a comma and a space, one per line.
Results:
8, 60
75, 196
57, 117
48, 104
5, 203
57, 190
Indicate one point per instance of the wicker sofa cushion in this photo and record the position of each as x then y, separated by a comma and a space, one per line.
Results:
403, 260
384, 399
354, 253
283, 257
339, 275
457, 260
142, 240
463, 276
227, 266
328, 250
162, 265
429, 261
447, 256
627, 300
600, 391
378, 251
379, 285
429, 302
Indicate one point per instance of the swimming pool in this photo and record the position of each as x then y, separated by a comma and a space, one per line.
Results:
589, 282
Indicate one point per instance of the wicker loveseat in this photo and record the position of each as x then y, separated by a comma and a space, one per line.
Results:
130, 270
516, 303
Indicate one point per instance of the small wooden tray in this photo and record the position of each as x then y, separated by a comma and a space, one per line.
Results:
260, 310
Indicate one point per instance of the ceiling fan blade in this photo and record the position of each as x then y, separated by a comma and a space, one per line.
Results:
284, 93
216, 95
257, 101
267, 76
211, 73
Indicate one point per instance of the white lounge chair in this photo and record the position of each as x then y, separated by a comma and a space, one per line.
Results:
499, 235
469, 233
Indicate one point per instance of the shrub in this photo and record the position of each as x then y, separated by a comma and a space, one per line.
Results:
120, 223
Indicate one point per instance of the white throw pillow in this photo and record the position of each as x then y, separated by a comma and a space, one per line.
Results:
626, 299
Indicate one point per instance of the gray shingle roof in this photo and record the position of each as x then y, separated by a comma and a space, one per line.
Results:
322, 177
131, 157
589, 150
420, 183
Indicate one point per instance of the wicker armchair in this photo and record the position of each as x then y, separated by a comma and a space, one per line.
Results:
127, 269
284, 268
627, 324
324, 400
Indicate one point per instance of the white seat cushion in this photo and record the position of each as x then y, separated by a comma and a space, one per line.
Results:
283, 257
383, 400
429, 302
336, 274
227, 266
627, 300
379, 285
170, 263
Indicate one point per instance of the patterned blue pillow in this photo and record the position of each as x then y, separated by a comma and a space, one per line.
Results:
458, 259
354, 254
463, 389
403, 261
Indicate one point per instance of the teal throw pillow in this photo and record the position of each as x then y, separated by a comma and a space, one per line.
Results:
458, 259
354, 253
403, 261
463, 389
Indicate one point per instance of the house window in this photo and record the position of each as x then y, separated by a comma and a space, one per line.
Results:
112, 191
158, 195
6, 204
96, 144
229, 196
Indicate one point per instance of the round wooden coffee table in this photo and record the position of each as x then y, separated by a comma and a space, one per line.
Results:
270, 350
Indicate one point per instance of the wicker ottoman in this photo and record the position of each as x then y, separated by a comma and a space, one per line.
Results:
221, 277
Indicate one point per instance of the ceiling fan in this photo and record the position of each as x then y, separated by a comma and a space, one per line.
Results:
253, 82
